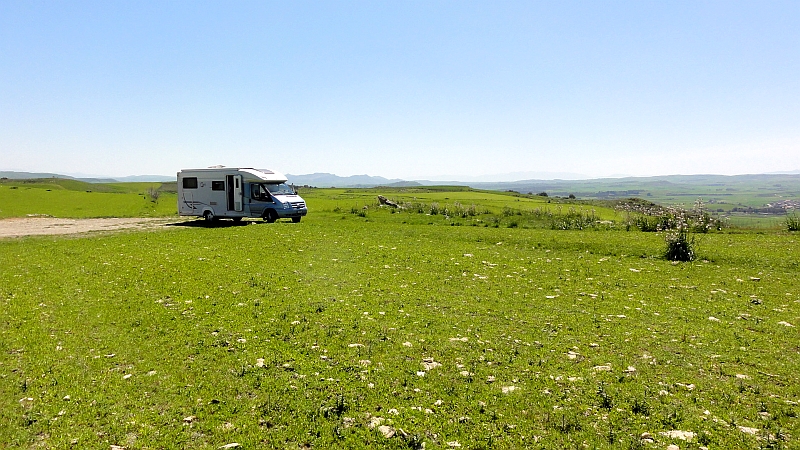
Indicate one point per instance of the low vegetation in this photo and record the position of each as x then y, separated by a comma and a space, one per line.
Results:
375, 326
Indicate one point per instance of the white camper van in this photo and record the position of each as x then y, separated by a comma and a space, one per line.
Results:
235, 193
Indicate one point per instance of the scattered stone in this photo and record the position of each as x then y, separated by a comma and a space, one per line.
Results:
465, 373
189, 419
429, 363
755, 279
348, 422
748, 430
231, 445
454, 444
385, 201
571, 355
394, 411
66, 398
364, 362
407, 344
260, 362
673, 446
786, 324
127, 376
688, 387
355, 345
375, 421
630, 369
461, 339
742, 376
679, 434
490, 379
713, 319
386, 431
508, 389
603, 368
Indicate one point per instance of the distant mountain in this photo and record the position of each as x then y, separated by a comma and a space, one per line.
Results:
506, 177
130, 179
331, 180
28, 175
145, 178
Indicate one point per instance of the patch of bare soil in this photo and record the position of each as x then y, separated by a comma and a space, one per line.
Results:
33, 226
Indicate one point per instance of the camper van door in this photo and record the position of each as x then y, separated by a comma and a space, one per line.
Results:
234, 185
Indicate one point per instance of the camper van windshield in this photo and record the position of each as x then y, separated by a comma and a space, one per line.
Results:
280, 189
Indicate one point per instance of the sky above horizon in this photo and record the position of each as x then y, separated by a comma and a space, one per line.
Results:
411, 89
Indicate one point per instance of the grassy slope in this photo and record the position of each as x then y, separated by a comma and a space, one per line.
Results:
77, 199
330, 303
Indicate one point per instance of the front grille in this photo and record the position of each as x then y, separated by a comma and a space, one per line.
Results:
298, 205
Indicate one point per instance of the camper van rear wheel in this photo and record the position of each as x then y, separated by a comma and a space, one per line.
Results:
270, 216
208, 216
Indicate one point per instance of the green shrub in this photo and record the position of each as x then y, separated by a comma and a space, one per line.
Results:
680, 247
792, 222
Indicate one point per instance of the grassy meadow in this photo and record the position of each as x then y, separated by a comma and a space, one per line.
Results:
469, 319
60, 197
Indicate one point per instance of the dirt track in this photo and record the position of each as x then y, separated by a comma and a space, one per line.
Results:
32, 226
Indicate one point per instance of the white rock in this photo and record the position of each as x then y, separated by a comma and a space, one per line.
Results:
679, 434
748, 430
786, 324
713, 319
603, 368
386, 431
429, 363
508, 389
454, 444
231, 445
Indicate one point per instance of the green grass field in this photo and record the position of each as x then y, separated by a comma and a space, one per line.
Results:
59, 197
490, 330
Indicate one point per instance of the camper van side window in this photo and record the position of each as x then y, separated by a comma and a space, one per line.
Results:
217, 185
190, 183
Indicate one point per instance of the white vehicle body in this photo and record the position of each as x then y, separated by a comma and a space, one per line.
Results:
236, 193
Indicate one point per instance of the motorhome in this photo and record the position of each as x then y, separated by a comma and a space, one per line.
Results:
237, 192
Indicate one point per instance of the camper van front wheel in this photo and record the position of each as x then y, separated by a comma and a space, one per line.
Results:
270, 216
208, 216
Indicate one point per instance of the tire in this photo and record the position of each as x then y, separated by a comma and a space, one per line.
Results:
296, 219
208, 216
270, 216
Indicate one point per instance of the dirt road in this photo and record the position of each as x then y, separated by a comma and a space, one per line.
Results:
32, 226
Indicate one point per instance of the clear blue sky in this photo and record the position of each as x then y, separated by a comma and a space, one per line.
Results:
401, 89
